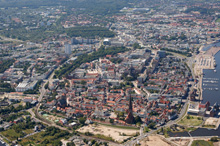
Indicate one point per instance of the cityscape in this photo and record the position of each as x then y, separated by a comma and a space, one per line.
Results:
109, 73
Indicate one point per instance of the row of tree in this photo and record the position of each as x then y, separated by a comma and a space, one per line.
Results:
5, 64
68, 68
12, 109
179, 52
6, 87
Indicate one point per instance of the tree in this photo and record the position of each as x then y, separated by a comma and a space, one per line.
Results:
68, 68
146, 129
136, 46
138, 120
111, 121
82, 120
5, 64
83, 82
93, 141
85, 140
57, 143
120, 115
46, 86
96, 144
28, 105
152, 125
46, 141
138, 124
70, 144
214, 139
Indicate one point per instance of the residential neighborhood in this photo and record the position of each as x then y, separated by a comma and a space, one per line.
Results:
126, 73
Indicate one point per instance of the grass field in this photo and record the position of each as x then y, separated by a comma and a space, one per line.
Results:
47, 137
34, 139
11, 134
202, 143
28, 131
218, 20
190, 121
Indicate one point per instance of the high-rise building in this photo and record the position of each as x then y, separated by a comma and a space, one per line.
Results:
68, 48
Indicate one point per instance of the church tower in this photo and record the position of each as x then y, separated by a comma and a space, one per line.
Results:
130, 118
130, 105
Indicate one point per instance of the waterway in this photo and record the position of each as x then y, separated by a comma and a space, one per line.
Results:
197, 133
211, 93
2, 144
206, 48
211, 82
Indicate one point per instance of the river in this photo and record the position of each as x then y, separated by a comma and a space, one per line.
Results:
207, 47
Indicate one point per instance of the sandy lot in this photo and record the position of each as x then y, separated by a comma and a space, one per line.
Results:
153, 141
211, 121
216, 143
115, 133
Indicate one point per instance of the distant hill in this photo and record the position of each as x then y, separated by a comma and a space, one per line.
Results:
95, 6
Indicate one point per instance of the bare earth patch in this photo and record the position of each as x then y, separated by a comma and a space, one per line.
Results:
216, 143
116, 133
153, 141
211, 122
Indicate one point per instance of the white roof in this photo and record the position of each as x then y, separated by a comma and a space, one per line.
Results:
22, 85
106, 40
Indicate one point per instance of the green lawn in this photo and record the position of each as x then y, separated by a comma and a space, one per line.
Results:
191, 121
11, 134
34, 139
218, 20
28, 131
202, 143
47, 137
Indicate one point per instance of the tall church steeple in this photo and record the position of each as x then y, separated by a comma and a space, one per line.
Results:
130, 105
130, 118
